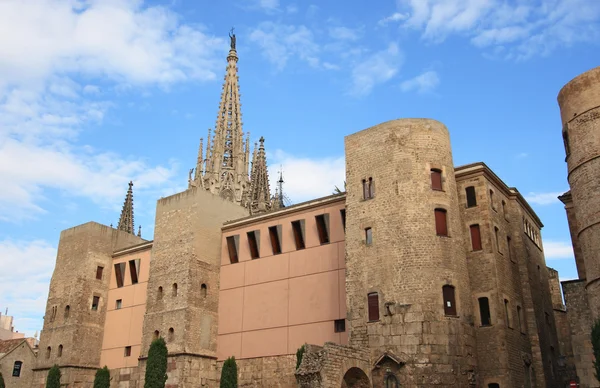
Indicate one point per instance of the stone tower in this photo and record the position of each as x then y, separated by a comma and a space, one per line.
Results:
408, 293
224, 172
579, 102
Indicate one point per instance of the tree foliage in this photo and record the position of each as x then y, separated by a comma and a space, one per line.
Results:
1, 381
53, 380
299, 355
102, 379
156, 366
596, 347
229, 374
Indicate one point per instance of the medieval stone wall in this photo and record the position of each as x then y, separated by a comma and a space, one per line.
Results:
407, 264
24, 354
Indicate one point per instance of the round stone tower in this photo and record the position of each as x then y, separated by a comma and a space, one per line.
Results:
407, 283
579, 102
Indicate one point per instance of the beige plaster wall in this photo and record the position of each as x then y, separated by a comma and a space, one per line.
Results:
123, 327
274, 304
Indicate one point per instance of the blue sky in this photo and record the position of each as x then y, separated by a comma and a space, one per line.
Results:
96, 93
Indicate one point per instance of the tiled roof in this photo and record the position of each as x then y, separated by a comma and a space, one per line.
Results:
8, 345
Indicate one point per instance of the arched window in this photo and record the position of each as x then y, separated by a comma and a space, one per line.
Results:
391, 381
171, 336
60, 348
17, 368
203, 290
159, 295
174, 289
67, 311
156, 335
48, 351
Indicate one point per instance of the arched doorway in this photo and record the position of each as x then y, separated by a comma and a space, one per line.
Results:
355, 378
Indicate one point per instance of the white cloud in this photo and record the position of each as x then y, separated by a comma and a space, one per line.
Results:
526, 28
268, 4
344, 33
395, 17
558, 250
280, 42
544, 198
422, 83
291, 9
377, 68
306, 178
25, 271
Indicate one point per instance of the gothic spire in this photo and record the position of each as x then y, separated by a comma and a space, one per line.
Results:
260, 194
126, 219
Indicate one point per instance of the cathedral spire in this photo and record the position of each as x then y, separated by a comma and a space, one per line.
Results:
260, 194
126, 219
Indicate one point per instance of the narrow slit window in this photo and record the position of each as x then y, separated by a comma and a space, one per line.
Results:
441, 226
171, 336
174, 288
368, 236
323, 228
99, 271
436, 179
95, 303
275, 235
566, 141
507, 312
504, 210
471, 197
373, 304
48, 351
67, 312
484, 312
475, 237
343, 214
60, 350
118, 304
520, 318
120, 274
253, 238
203, 291
339, 325
368, 188
298, 229
134, 270
492, 200
232, 248
449, 300
159, 294
371, 188
496, 230
509, 247
365, 189
127, 351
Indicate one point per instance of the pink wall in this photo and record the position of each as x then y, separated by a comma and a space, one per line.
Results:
123, 327
275, 303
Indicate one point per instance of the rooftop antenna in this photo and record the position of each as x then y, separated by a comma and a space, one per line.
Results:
283, 199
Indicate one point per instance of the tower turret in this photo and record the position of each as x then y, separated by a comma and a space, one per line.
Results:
126, 218
260, 193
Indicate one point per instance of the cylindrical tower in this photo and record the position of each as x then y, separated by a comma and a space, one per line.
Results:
579, 102
407, 282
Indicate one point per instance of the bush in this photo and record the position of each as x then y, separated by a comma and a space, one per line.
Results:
229, 374
1, 381
299, 355
596, 347
102, 379
53, 380
156, 366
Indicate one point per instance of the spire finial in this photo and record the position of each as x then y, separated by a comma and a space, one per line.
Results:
140, 231
260, 194
126, 219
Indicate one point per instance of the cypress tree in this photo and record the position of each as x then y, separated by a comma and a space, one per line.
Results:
156, 366
53, 380
299, 355
229, 374
1, 381
102, 379
596, 347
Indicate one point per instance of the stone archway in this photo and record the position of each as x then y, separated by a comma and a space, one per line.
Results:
355, 378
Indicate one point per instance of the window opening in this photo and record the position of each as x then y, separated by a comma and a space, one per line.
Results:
368, 188
127, 351
160, 292
520, 318
134, 270
67, 311
120, 274
475, 237
371, 188
232, 247
323, 228
99, 271
339, 325
95, 303
253, 237
171, 334
471, 197
391, 381
449, 300
494, 385
507, 312
484, 312
274, 234
441, 227
373, 299
203, 290
48, 351
156, 334
492, 199
298, 229
566, 141
504, 209
17, 369
343, 214
509, 247
496, 238
368, 236
119, 304
60, 349
436, 179
174, 289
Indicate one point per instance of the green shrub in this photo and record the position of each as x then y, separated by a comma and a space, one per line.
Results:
102, 379
1, 381
596, 347
299, 355
156, 366
229, 374
53, 380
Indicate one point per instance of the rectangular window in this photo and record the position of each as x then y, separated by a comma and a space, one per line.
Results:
323, 228
343, 214
471, 197
120, 273
373, 299
509, 247
436, 179
441, 227
17, 369
507, 312
119, 304
275, 235
449, 300
484, 312
339, 325
496, 238
99, 271
95, 303
127, 351
475, 237
253, 243
298, 229
368, 188
134, 270
232, 248
368, 236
